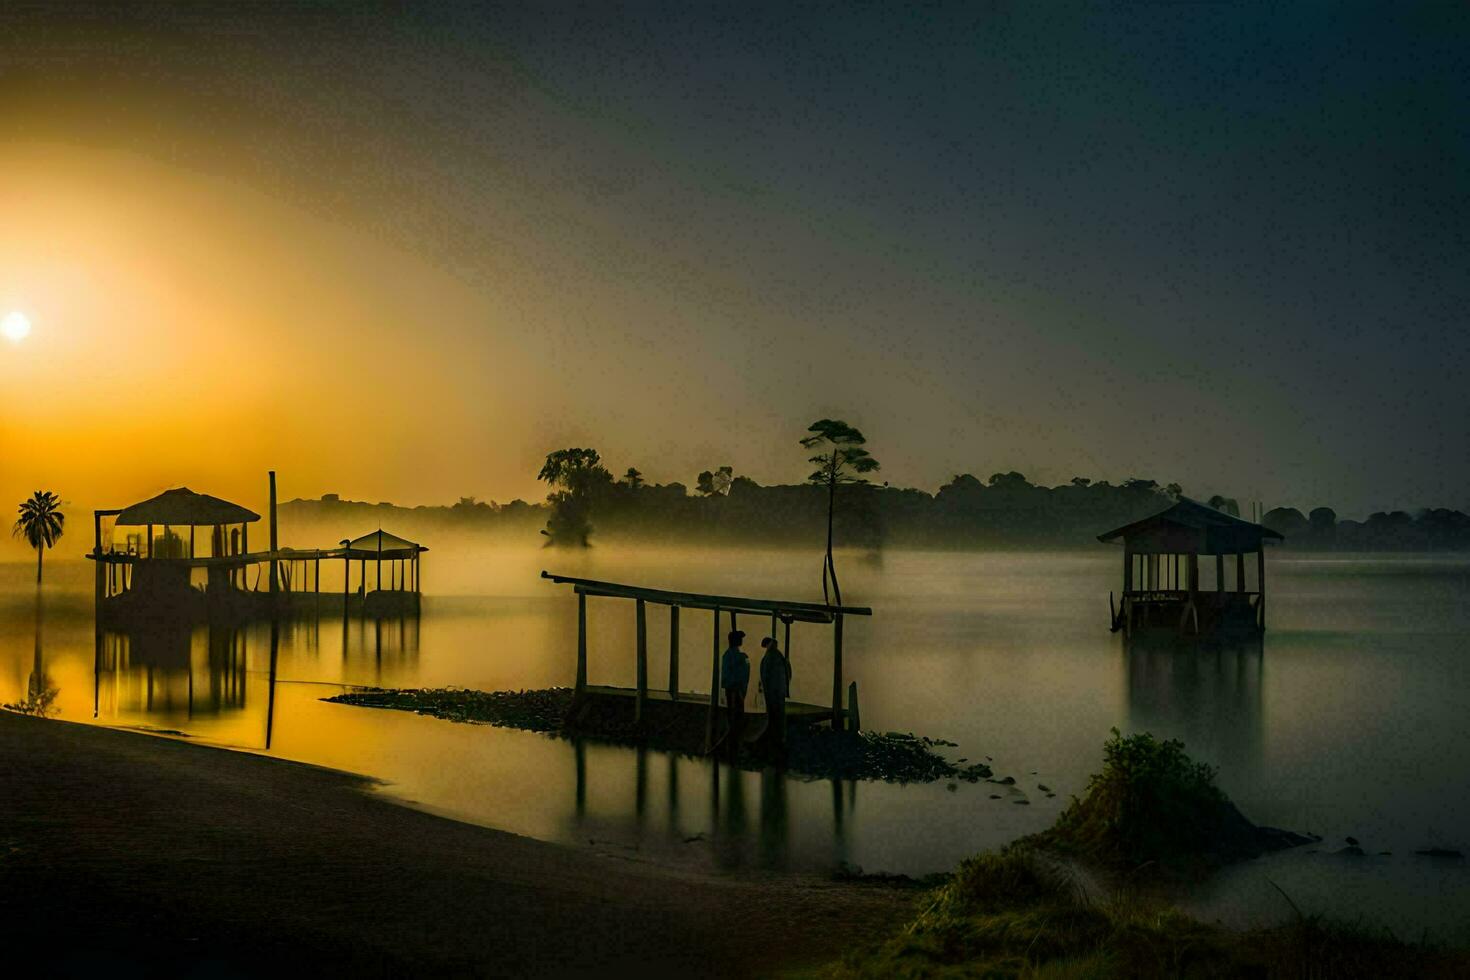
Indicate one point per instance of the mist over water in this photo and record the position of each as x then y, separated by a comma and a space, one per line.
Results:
1346, 718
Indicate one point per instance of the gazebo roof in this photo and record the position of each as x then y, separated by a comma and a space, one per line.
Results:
1192, 515
184, 507
380, 542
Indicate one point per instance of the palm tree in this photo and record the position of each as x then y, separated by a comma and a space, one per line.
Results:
40, 523
840, 458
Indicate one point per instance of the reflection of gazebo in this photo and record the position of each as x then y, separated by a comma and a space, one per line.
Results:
379, 546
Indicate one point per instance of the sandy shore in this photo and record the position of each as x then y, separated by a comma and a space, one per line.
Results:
120, 850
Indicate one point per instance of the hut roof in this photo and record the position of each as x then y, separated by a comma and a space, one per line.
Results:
1192, 515
183, 506
380, 542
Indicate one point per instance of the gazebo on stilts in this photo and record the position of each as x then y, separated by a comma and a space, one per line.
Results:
682, 705
1161, 573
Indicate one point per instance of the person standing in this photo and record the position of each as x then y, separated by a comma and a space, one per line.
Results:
776, 683
735, 679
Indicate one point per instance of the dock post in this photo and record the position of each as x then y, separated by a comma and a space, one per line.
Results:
1261, 586
581, 644
1219, 573
642, 697
853, 715
674, 652
1239, 572
837, 725
714, 690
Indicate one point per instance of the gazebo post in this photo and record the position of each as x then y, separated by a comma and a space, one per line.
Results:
837, 724
714, 687
1219, 573
275, 562
1239, 572
150, 540
674, 652
191, 545
642, 639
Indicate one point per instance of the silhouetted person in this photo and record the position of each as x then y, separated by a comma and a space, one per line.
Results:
776, 683
735, 679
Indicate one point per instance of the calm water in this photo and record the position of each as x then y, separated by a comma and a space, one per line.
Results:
1351, 717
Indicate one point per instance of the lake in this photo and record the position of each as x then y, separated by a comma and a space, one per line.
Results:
1348, 718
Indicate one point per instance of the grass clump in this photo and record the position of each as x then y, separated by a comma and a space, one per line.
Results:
1154, 808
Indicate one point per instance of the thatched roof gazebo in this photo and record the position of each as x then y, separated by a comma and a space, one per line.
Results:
182, 507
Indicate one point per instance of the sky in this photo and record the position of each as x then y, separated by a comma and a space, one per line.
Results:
400, 252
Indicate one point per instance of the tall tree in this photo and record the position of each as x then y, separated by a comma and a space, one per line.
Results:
633, 478
575, 476
840, 458
40, 523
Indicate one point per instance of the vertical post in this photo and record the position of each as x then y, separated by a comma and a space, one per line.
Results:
642, 695
346, 581
1127, 569
837, 673
150, 540
191, 547
1261, 585
853, 715
1239, 572
714, 687
581, 644
316, 575
1219, 573
378, 574
674, 652
275, 565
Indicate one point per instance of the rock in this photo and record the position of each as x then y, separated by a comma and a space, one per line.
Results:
1005, 780
1438, 852
952, 787
1351, 841
1043, 787
995, 796
1021, 802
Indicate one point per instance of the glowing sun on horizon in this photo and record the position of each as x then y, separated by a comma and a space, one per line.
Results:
16, 326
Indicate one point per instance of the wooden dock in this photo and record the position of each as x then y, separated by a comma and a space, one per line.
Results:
669, 704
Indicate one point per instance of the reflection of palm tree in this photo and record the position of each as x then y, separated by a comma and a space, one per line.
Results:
40, 523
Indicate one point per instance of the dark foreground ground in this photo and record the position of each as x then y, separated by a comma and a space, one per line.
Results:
138, 855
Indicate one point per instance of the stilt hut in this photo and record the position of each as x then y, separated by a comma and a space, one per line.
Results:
161, 543
1161, 571
682, 704
376, 549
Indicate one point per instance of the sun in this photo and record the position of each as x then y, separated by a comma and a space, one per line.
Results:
16, 326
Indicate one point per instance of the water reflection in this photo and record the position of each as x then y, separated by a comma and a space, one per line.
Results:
40, 693
745, 817
1206, 691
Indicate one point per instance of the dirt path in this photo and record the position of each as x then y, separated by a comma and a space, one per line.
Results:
119, 849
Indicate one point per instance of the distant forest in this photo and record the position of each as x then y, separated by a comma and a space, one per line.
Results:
1006, 510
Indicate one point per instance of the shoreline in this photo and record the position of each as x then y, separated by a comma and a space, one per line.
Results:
159, 853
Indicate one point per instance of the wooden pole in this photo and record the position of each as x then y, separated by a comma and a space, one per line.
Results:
1219, 573
1240, 572
581, 644
1127, 569
674, 652
150, 540
191, 550
854, 717
378, 573
275, 563
642, 696
837, 672
714, 687
1261, 586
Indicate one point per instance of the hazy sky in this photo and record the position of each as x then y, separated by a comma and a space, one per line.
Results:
401, 253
